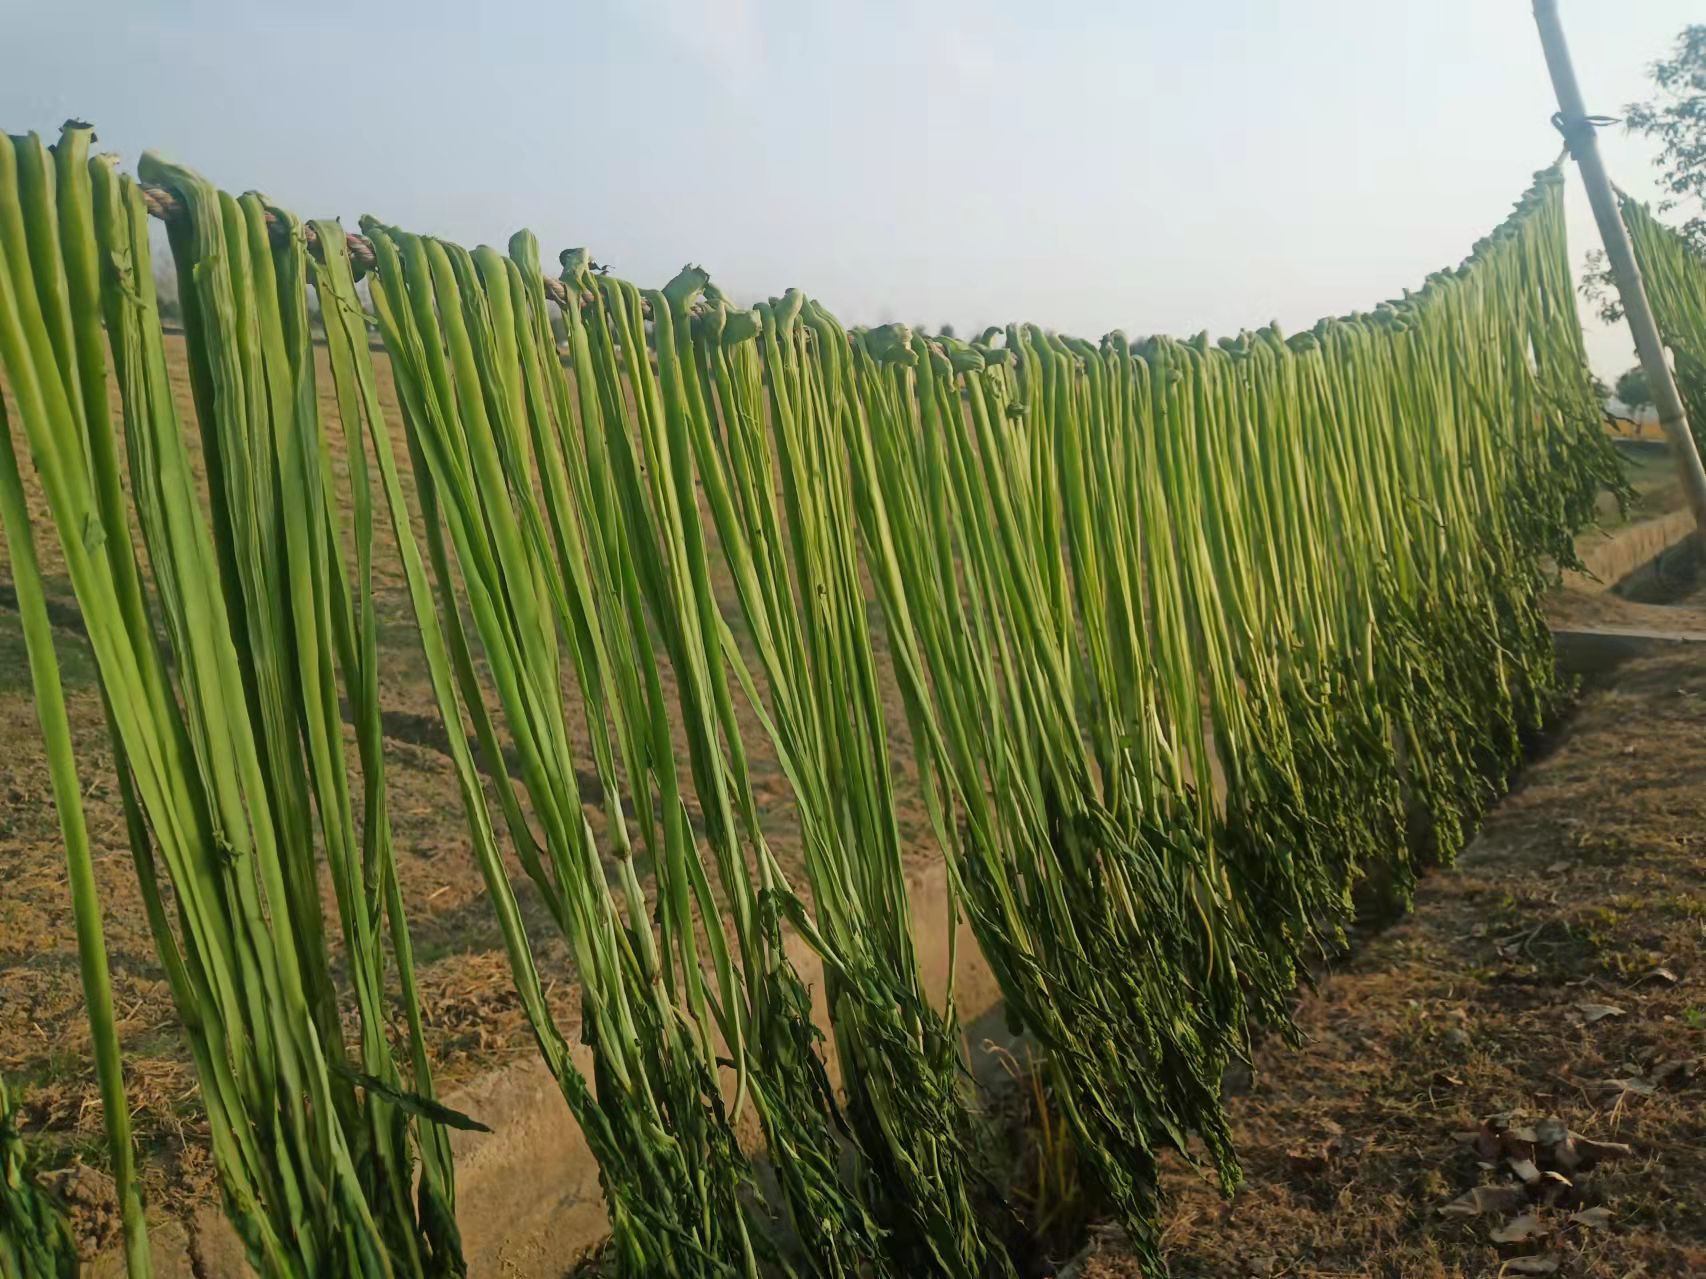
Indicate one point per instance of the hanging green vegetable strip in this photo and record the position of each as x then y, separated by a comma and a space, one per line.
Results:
1675, 279
356, 627
638, 1227
266, 433
153, 734
1082, 917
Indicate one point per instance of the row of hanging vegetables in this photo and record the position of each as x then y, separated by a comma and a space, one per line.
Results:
1674, 275
1188, 637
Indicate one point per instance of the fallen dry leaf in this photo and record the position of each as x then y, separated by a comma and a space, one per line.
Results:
1594, 1218
1485, 1199
1525, 1169
1586, 1152
1634, 1083
1591, 1012
1546, 1265
1520, 1229
1517, 1143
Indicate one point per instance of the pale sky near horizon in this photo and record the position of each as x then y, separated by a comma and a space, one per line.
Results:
1152, 167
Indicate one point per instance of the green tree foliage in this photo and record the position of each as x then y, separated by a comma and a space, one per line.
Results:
1632, 389
1675, 118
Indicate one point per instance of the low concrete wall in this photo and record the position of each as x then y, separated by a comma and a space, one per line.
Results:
1611, 559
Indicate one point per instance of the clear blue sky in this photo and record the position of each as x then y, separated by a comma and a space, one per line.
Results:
1154, 167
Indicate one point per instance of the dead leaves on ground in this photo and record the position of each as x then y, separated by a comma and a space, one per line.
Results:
1547, 1181
1586, 1013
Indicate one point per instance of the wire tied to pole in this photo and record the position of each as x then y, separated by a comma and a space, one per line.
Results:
1577, 129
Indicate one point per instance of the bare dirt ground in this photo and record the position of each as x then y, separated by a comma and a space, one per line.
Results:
1510, 1080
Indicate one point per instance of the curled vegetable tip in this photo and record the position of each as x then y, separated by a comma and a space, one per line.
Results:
988, 336
577, 267
712, 319
525, 246
1302, 342
787, 307
962, 356
1015, 409
488, 262
688, 283
823, 325
992, 355
741, 326
891, 344
939, 360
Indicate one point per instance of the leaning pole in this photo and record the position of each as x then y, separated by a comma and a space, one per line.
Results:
1580, 132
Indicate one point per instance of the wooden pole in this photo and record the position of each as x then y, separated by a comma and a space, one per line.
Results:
1579, 132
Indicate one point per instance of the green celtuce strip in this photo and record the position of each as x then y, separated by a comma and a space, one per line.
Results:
35, 1239
1674, 274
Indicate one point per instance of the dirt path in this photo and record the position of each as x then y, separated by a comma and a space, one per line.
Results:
1554, 980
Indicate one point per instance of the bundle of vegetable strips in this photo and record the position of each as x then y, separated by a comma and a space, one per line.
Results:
1188, 638
1675, 279
223, 651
